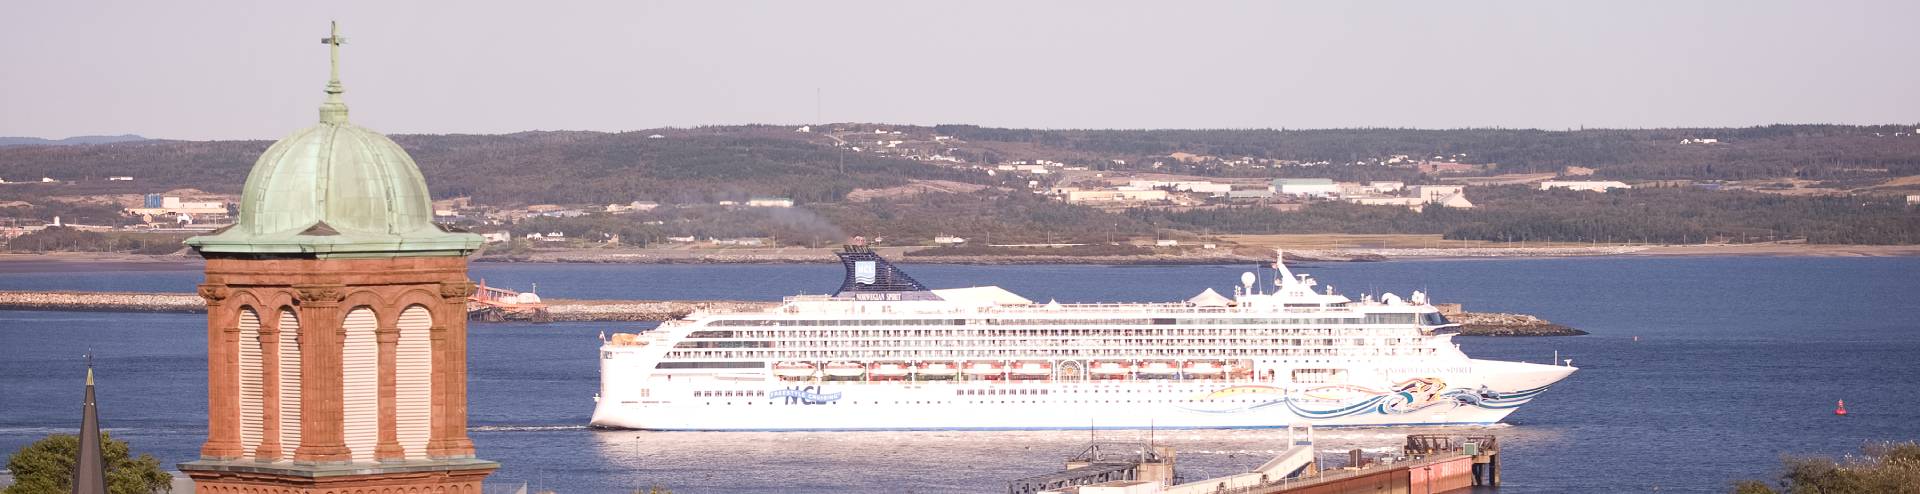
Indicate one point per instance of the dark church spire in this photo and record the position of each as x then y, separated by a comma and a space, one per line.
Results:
89, 470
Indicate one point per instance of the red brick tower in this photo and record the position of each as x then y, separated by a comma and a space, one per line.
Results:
336, 325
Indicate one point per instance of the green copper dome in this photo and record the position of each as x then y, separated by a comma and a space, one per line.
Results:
336, 190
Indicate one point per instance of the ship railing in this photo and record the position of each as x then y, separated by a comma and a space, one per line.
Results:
1153, 308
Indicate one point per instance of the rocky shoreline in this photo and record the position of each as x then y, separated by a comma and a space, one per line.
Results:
1503, 324
1472, 324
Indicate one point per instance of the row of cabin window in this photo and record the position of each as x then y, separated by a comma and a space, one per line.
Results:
1081, 332
1390, 318
912, 343
1005, 351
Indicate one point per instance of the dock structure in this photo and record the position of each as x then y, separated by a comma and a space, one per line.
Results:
1483, 448
1104, 463
495, 304
1427, 464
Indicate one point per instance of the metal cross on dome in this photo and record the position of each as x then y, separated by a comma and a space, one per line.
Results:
333, 42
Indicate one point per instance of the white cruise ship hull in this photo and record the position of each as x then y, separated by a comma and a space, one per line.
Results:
887, 353
1166, 404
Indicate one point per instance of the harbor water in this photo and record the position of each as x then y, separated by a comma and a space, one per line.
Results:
1699, 371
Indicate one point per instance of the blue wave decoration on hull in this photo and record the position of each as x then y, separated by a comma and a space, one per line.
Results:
1396, 403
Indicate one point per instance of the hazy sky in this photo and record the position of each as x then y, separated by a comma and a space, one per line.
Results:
219, 70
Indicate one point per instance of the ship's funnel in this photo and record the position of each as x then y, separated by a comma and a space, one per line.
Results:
868, 272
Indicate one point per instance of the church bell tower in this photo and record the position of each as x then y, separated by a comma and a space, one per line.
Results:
336, 324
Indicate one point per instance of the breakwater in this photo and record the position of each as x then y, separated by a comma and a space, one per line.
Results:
102, 301
641, 310
558, 309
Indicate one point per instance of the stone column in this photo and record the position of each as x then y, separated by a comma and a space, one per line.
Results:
323, 331
449, 336
269, 387
223, 382
388, 336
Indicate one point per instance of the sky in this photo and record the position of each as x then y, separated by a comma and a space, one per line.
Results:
255, 70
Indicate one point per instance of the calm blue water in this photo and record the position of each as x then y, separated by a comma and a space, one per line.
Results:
1739, 360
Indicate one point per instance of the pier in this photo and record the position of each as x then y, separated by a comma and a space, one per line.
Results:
1427, 464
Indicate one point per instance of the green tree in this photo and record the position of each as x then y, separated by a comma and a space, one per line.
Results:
46, 467
1883, 468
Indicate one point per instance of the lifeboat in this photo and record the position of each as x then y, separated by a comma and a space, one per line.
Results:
1031, 370
1159, 368
890, 369
932, 370
1110, 370
793, 370
845, 369
1205, 369
983, 369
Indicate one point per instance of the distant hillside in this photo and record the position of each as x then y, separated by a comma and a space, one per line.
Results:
691, 165
36, 141
1813, 183
1817, 152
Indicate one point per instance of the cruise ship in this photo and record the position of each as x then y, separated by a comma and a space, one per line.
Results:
887, 353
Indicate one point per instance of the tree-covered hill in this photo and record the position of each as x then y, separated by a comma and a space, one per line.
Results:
1818, 152
696, 165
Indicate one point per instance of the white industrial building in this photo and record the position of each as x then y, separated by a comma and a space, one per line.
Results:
1314, 187
1591, 186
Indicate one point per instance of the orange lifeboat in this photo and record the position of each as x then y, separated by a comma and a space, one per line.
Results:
1110, 369
845, 369
985, 370
1031, 370
938, 370
1205, 369
793, 371
890, 370
1159, 368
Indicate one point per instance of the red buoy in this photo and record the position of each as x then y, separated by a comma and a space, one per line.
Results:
1841, 409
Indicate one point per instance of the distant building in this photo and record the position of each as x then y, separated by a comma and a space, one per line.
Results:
948, 240
1435, 193
1457, 201
1414, 203
1591, 186
804, 128
1261, 194
1699, 141
1312, 187
635, 206
1074, 195
1382, 187
121, 178
1913, 199
158, 205
1166, 242
496, 237
1445, 167
769, 202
